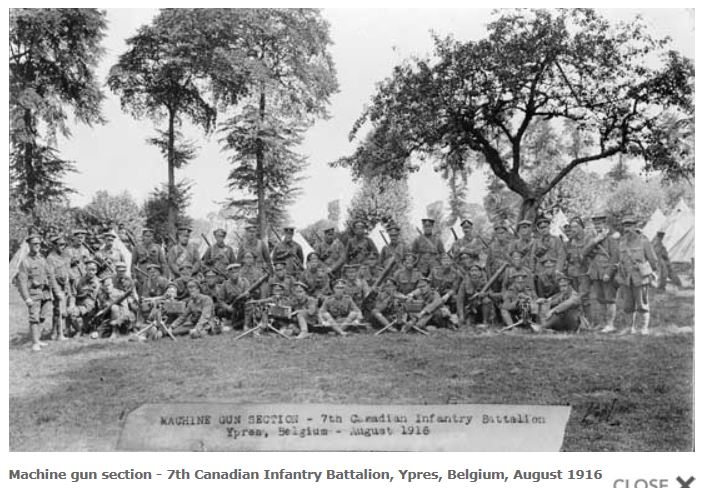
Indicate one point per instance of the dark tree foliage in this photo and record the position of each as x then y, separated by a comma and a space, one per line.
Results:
156, 208
567, 66
53, 56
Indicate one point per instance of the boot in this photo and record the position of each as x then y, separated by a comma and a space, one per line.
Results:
611, 309
645, 323
35, 333
598, 312
633, 330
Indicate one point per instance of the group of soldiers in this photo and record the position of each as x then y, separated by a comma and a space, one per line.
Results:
521, 277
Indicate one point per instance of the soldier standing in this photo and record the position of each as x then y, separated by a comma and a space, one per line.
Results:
289, 252
219, 255
469, 243
428, 248
331, 251
109, 255
148, 252
665, 270
546, 246
78, 255
603, 253
577, 263
396, 249
637, 262
184, 252
257, 248
524, 244
60, 264
35, 281
360, 247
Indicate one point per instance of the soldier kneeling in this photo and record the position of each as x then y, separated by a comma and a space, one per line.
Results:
434, 313
113, 304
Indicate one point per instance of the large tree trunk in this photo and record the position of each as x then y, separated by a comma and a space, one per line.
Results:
171, 184
30, 198
529, 208
261, 213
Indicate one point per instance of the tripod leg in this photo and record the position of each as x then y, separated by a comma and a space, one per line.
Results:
270, 326
247, 332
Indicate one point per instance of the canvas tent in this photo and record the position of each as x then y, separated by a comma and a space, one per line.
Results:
679, 233
654, 224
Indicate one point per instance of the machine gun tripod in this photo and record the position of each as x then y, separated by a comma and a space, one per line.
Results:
261, 312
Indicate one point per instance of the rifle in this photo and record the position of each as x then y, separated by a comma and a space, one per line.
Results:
372, 293
101, 262
455, 236
490, 282
130, 238
386, 242
249, 291
141, 271
117, 301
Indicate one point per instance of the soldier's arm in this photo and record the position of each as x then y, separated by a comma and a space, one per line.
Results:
22, 281
650, 255
572, 301
460, 300
342, 256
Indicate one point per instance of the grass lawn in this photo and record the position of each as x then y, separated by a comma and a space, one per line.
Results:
627, 393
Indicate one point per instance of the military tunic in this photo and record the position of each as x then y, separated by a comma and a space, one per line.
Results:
338, 308
407, 279
637, 261
144, 255
546, 247
219, 256
393, 251
360, 249
604, 258
198, 315
35, 280
179, 255
291, 253
428, 250
259, 250
332, 254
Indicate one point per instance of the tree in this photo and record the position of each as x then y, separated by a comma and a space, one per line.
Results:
290, 76
385, 200
53, 56
570, 66
636, 197
157, 206
105, 209
154, 78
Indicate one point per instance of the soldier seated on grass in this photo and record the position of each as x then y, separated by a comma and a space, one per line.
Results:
197, 319
304, 309
117, 318
339, 312
564, 314
388, 306
433, 314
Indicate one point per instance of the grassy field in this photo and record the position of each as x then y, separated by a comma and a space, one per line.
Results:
627, 393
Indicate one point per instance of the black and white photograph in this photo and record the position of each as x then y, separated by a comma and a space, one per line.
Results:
393, 229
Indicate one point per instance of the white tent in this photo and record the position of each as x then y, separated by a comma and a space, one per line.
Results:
301, 241
458, 231
376, 236
17, 258
654, 224
677, 225
683, 250
557, 222
118, 244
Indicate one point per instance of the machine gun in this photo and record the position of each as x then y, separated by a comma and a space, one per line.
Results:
242, 296
157, 322
263, 323
525, 312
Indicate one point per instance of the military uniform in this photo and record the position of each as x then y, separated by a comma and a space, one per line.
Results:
515, 298
393, 251
318, 282
286, 281
407, 279
258, 249
511, 272
219, 256
144, 255
35, 280
472, 246
479, 309
77, 255
440, 316
428, 251
566, 311
634, 272
546, 284
360, 249
178, 255
525, 246
110, 257
665, 270
577, 267
252, 274
547, 246
154, 287
197, 319
289, 252
60, 265
497, 255
332, 254
226, 294
335, 308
